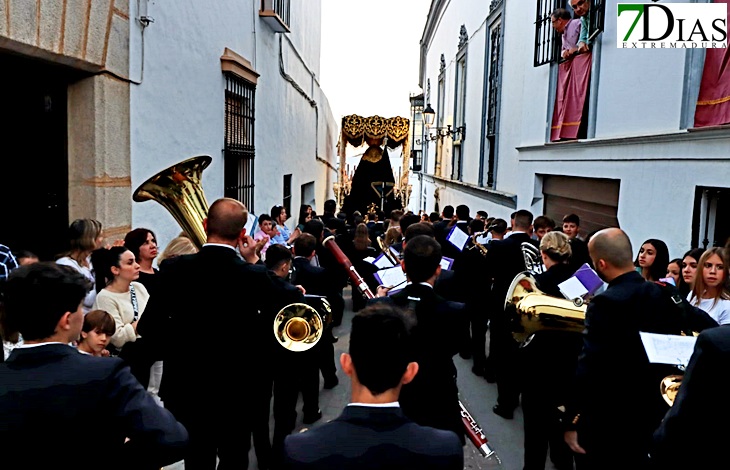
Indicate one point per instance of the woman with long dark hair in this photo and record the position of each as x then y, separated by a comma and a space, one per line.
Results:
652, 260
689, 265
142, 242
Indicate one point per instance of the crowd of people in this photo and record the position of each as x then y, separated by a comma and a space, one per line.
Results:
122, 305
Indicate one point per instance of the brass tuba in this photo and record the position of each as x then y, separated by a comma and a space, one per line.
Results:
532, 257
530, 310
178, 189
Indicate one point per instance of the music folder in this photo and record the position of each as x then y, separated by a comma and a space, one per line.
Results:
457, 237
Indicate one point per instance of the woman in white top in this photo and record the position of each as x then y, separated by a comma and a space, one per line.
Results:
710, 290
125, 300
84, 236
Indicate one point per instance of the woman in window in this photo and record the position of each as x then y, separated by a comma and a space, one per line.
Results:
652, 260
710, 289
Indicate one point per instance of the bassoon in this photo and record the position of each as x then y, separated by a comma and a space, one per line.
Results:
342, 258
477, 436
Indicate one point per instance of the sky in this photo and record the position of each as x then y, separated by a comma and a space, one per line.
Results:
370, 54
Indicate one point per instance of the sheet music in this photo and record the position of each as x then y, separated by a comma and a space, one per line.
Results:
572, 288
382, 262
369, 259
251, 224
457, 237
391, 276
668, 349
446, 263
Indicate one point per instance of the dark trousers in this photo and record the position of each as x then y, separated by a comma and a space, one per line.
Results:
325, 352
478, 339
303, 377
260, 427
223, 432
543, 431
503, 362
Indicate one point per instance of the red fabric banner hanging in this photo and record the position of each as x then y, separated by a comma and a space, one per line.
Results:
573, 78
713, 102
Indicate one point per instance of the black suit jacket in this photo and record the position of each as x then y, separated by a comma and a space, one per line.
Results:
611, 345
57, 404
373, 438
686, 437
432, 399
205, 315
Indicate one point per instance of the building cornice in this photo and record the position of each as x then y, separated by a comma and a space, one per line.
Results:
575, 150
435, 12
498, 197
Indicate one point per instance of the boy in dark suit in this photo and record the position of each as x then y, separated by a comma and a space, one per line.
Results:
52, 396
432, 399
372, 432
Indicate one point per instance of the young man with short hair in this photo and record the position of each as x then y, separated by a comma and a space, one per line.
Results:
373, 432
51, 393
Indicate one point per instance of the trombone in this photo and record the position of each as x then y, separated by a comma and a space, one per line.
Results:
299, 327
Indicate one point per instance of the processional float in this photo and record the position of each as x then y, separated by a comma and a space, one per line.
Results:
373, 184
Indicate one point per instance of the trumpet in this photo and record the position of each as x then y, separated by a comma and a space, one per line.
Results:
386, 250
476, 245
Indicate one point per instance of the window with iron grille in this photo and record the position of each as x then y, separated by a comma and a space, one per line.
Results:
547, 41
457, 157
287, 195
239, 150
495, 49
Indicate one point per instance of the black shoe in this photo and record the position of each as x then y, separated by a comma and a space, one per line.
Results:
335, 339
331, 383
502, 411
309, 419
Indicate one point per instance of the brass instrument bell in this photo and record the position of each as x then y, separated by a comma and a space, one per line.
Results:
298, 327
179, 190
530, 310
669, 387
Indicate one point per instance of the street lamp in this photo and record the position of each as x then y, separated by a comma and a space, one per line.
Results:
442, 132
428, 115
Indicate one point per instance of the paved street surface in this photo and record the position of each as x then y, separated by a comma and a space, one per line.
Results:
478, 396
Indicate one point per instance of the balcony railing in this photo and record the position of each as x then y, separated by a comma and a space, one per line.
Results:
275, 13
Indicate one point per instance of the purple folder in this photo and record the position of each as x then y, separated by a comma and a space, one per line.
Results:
589, 278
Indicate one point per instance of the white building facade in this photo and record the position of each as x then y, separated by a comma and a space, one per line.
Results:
126, 88
640, 162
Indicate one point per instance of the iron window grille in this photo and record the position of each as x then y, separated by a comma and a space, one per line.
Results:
239, 151
492, 100
547, 41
